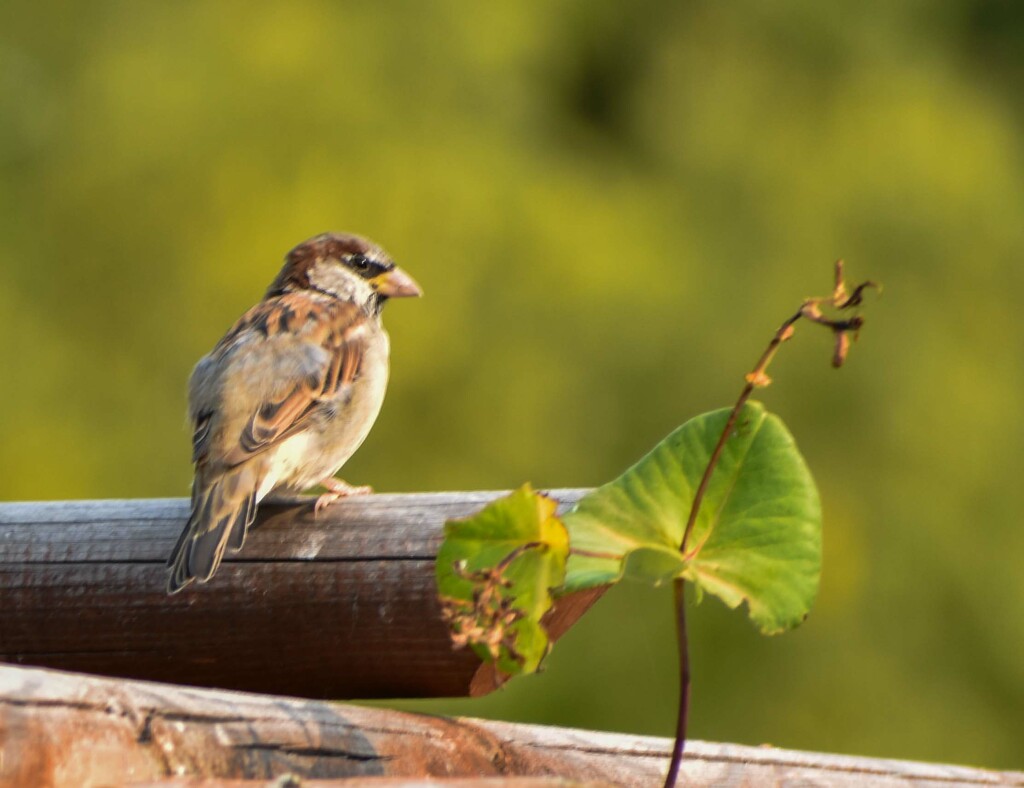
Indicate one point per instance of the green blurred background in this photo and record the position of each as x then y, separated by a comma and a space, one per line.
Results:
610, 206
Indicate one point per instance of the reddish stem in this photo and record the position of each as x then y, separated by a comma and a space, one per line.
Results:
757, 378
684, 685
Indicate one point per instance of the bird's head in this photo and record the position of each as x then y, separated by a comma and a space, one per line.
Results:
344, 266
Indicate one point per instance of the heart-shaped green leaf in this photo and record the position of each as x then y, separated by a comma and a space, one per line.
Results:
757, 538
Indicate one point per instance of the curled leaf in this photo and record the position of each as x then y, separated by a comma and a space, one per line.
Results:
495, 572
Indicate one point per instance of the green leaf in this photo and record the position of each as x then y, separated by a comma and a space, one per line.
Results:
495, 572
757, 538
654, 564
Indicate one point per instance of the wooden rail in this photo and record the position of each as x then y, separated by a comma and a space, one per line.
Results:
60, 729
342, 605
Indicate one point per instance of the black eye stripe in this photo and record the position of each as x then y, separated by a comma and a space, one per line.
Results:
366, 267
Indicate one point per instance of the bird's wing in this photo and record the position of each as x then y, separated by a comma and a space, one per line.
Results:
277, 362
260, 385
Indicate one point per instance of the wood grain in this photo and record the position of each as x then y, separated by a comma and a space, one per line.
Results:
342, 605
60, 729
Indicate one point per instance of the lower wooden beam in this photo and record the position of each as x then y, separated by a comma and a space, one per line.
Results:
61, 729
382, 782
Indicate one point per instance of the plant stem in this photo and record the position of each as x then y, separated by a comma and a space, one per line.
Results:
702, 488
756, 378
679, 746
508, 559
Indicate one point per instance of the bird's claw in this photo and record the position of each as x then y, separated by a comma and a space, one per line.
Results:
336, 489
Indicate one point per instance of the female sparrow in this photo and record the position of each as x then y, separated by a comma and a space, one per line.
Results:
289, 393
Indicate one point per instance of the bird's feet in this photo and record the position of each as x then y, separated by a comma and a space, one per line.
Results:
336, 488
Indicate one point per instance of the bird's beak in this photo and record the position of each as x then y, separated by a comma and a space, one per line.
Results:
396, 283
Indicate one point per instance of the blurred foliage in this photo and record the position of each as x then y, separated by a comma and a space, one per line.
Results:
610, 207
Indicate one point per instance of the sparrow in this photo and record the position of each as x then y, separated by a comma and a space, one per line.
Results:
288, 394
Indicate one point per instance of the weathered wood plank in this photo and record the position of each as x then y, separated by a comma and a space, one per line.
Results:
59, 729
381, 782
342, 605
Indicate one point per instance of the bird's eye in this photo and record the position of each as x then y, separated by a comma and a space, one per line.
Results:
360, 262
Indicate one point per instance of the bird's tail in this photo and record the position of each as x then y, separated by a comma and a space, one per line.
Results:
223, 508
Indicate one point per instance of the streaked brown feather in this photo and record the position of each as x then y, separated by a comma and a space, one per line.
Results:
201, 436
223, 508
334, 326
229, 468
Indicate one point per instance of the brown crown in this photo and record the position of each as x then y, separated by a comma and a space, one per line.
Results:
326, 246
